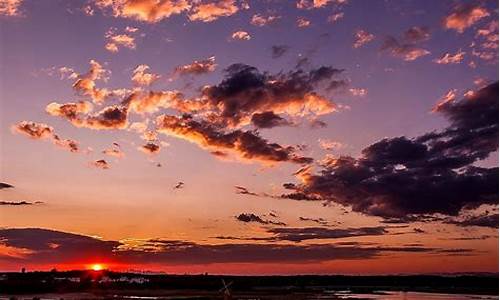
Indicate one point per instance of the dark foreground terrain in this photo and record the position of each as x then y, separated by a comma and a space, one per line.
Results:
115, 285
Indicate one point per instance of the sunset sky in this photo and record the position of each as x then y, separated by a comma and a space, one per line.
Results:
249, 137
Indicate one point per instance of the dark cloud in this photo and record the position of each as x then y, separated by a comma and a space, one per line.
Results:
78, 114
150, 148
33, 130
4, 185
299, 234
111, 117
404, 50
40, 131
278, 51
252, 218
418, 230
315, 124
268, 119
100, 164
244, 191
433, 173
48, 246
472, 238
18, 203
320, 221
245, 144
490, 221
417, 34
245, 91
53, 247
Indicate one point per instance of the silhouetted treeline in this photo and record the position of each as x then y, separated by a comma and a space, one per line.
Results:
90, 281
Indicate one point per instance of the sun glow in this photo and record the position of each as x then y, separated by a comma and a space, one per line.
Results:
97, 267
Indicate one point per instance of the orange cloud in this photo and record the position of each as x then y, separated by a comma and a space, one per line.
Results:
449, 58
100, 164
197, 67
241, 35
40, 131
465, 15
85, 84
208, 12
151, 11
142, 77
10, 7
247, 145
114, 40
450, 96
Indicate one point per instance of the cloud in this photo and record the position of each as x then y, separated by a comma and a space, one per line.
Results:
70, 111
263, 20
362, 37
142, 77
10, 7
485, 45
406, 51
38, 248
70, 247
335, 17
208, 12
279, 50
110, 117
320, 221
329, 145
490, 221
41, 131
464, 15
114, 41
100, 164
357, 92
432, 173
311, 4
70, 145
416, 34
85, 84
252, 218
241, 35
245, 144
34, 130
151, 101
268, 119
179, 185
244, 191
150, 148
303, 22
18, 203
449, 58
197, 67
299, 234
115, 151
245, 91
4, 185
450, 96
151, 11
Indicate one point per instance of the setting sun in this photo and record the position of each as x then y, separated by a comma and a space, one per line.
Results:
97, 267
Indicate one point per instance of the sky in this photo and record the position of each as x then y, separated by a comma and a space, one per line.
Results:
249, 137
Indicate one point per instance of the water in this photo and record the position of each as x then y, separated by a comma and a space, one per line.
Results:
382, 295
